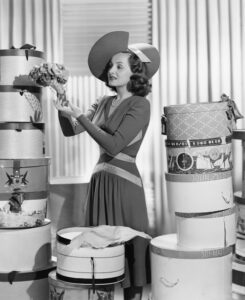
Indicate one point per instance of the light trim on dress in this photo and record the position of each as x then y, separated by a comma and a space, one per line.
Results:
125, 157
118, 171
120, 156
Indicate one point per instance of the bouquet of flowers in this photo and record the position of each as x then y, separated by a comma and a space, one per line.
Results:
53, 75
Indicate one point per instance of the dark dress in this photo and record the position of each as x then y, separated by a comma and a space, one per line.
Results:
116, 195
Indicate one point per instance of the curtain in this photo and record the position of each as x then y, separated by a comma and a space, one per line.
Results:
202, 48
31, 22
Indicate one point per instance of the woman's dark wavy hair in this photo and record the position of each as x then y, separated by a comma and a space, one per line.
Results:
138, 84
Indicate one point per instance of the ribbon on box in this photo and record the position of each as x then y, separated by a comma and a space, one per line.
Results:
26, 47
17, 276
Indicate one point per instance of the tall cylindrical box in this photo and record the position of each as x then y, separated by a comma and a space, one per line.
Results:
20, 97
24, 186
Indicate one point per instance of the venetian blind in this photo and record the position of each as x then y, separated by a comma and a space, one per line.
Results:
84, 21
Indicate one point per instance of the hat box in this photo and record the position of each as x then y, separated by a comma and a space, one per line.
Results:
23, 192
198, 121
206, 230
88, 265
20, 98
199, 155
197, 193
180, 273
59, 289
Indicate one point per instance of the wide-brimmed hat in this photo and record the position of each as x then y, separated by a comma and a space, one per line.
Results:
115, 42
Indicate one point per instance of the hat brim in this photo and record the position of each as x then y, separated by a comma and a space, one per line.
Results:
103, 50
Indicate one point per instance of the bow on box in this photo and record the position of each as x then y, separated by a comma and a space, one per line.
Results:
233, 111
233, 114
26, 47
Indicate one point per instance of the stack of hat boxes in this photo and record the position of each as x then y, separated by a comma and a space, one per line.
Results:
196, 262
238, 278
24, 232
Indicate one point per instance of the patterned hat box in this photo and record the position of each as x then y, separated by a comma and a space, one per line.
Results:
25, 249
198, 121
238, 276
85, 264
59, 289
199, 156
178, 273
198, 193
23, 192
206, 230
26, 285
21, 140
20, 97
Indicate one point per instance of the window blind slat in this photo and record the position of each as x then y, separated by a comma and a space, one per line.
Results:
85, 21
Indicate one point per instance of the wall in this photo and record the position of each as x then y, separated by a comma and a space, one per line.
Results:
65, 206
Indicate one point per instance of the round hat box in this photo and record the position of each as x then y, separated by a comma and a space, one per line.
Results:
198, 193
23, 192
85, 264
20, 97
25, 249
198, 121
206, 230
179, 273
199, 156
21, 140
26, 175
59, 289
21, 105
20, 209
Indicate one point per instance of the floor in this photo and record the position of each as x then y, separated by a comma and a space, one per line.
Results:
147, 294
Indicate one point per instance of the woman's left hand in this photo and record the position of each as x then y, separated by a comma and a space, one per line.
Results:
69, 109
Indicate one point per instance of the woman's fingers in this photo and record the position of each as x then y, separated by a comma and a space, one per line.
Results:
69, 108
59, 106
75, 110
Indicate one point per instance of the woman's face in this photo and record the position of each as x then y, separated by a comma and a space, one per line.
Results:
119, 72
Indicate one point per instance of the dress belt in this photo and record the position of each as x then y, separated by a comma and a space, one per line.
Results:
125, 157
121, 156
119, 172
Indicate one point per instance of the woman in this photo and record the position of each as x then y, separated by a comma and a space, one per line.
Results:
118, 124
